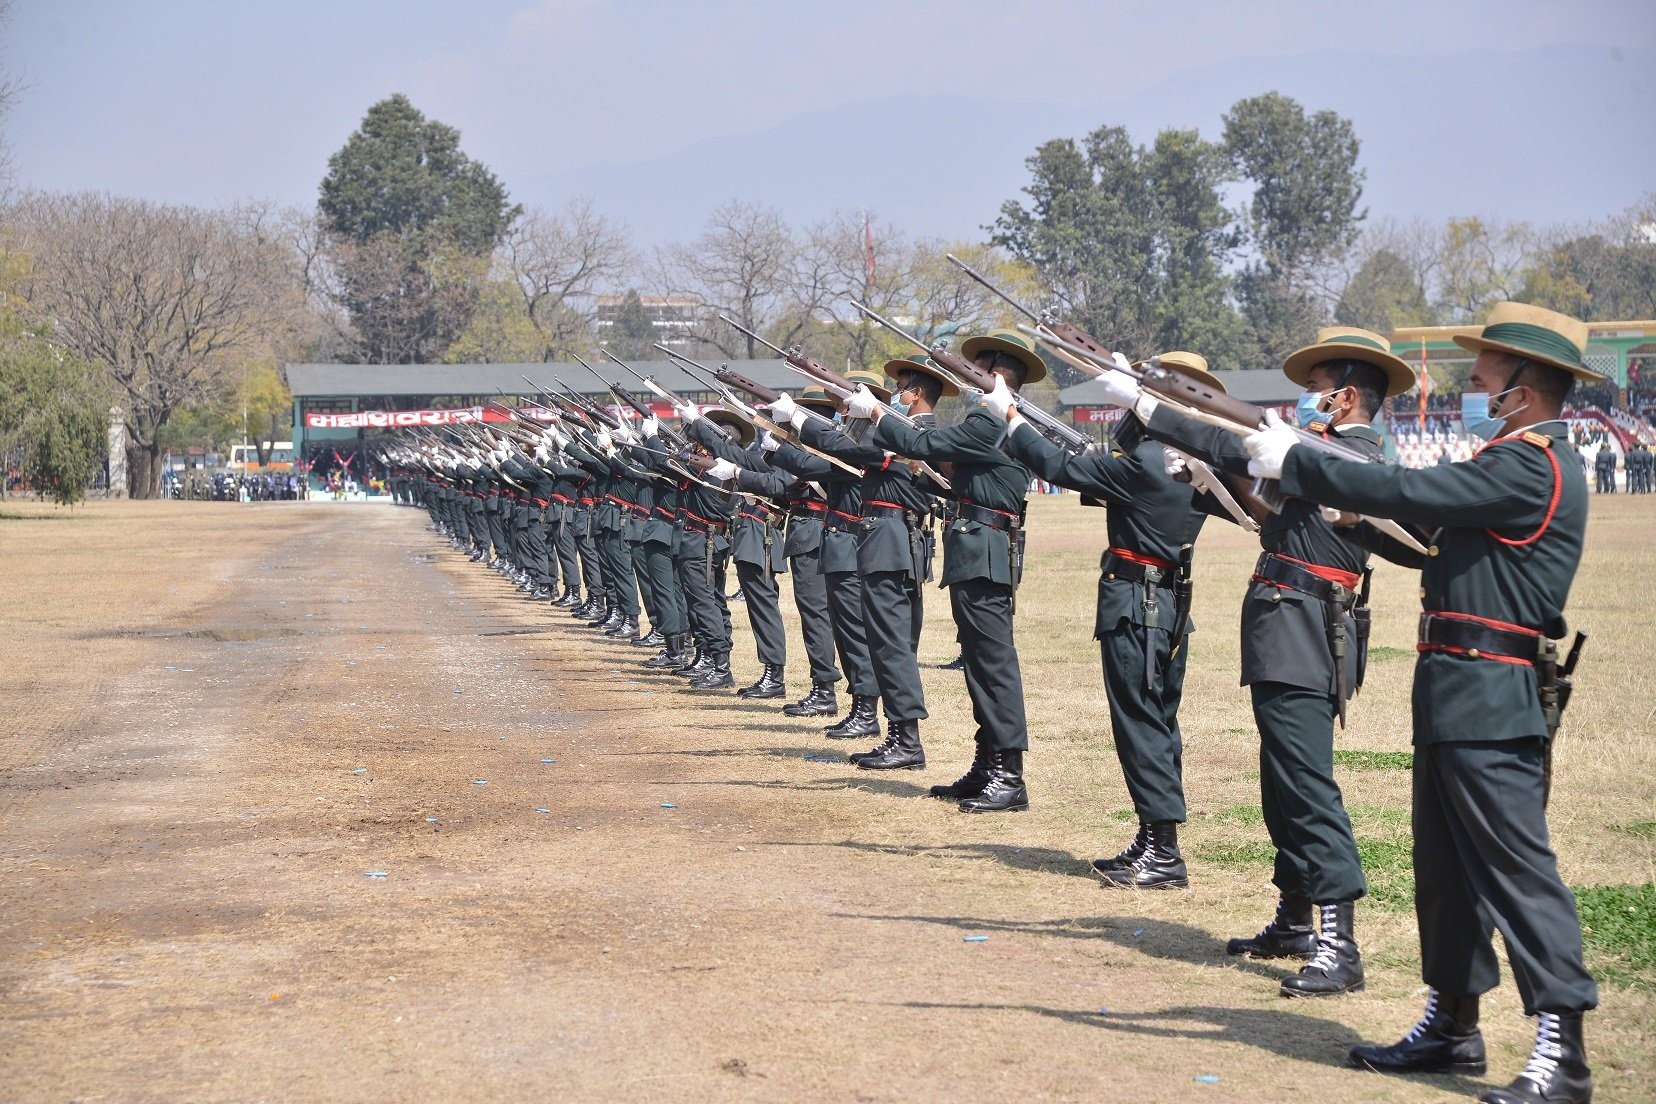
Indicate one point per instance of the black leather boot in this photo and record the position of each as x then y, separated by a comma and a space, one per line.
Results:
540, 594
672, 654
626, 630
1337, 967
571, 598
902, 750
859, 724
1446, 1040
596, 609
695, 665
958, 663
820, 702
1557, 1072
769, 684
1004, 792
1288, 935
1159, 867
972, 782
1129, 855
611, 620
717, 676
651, 639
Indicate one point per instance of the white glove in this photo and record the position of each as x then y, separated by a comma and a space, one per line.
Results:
651, 426
1172, 462
770, 442
1120, 389
686, 413
623, 434
602, 436
1121, 362
1269, 447
783, 407
861, 404
543, 454
999, 399
722, 470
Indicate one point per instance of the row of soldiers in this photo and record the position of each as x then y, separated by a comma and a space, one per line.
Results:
843, 493
1640, 465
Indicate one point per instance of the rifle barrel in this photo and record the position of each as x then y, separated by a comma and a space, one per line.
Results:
984, 280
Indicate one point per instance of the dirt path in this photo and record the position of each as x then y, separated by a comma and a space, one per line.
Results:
212, 753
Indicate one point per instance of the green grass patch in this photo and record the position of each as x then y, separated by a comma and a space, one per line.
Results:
1618, 923
1374, 760
1241, 814
1124, 816
1388, 864
1644, 829
1239, 732
1380, 652
1245, 855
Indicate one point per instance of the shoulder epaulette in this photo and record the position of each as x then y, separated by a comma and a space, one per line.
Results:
1539, 440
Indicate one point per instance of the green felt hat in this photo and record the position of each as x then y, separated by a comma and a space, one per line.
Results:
738, 427
1348, 343
1011, 342
1193, 365
874, 381
815, 398
1536, 334
919, 362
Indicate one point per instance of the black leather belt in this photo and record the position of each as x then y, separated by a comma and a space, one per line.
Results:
1272, 568
997, 519
1477, 639
912, 518
717, 529
1118, 567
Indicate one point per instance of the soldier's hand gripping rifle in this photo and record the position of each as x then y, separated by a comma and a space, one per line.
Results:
1200, 402
837, 386
973, 378
669, 436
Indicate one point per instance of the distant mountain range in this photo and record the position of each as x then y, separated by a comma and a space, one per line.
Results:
1561, 134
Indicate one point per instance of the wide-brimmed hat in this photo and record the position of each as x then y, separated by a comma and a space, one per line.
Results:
815, 398
739, 428
919, 362
1536, 334
1193, 365
1346, 343
874, 381
1012, 343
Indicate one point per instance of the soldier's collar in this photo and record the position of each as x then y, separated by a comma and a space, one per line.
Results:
1357, 429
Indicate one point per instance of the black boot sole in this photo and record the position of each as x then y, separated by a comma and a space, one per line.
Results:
762, 695
864, 764
1024, 808
1465, 1069
1295, 994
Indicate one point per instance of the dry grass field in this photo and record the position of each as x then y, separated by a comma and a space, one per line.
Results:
299, 805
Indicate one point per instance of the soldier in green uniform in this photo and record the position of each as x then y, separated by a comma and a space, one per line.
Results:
1152, 520
1507, 530
982, 550
1300, 653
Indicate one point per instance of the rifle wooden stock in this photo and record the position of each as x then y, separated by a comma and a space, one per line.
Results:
759, 391
1194, 393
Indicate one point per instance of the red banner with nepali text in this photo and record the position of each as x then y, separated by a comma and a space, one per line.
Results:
397, 419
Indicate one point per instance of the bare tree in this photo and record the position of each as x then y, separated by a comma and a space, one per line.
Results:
165, 299
741, 266
559, 262
11, 89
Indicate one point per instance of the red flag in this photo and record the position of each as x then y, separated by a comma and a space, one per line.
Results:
868, 251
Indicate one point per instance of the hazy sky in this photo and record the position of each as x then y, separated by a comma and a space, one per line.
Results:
215, 100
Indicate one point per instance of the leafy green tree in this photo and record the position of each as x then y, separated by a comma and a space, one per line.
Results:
1302, 214
634, 331
1385, 294
409, 218
54, 417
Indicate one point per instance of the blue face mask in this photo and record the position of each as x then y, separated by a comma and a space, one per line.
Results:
899, 407
1474, 411
1306, 410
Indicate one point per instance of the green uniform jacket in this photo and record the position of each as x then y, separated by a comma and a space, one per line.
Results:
983, 476
1503, 492
883, 543
1147, 512
839, 526
753, 540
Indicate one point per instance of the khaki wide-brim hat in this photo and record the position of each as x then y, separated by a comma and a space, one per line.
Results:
815, 398
919, 362
1193, 365
1012, 343
742, 430
1346, 343
874, 381
1537, 334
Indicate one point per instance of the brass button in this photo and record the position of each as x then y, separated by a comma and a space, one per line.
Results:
1473, 652
1111, 576
1432, 550
1276, 595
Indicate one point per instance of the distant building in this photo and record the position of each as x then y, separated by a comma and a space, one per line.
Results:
674, 316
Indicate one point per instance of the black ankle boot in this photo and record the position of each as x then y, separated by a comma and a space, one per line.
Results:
672, 654
1337, 967
1288, 935
769, 684
1446, 1040
859, 724
626, 629
571, 598
716, 677
611, 620
1004, 792
820, 702
972, 782
695, 665
1127, 855
1557, 1072
901, 750
1160, 866
651, 639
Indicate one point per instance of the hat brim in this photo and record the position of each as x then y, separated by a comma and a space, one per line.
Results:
817, 402
1579, 371
1190, 370
1399, 376
1034, 367
895, 368
741, 429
